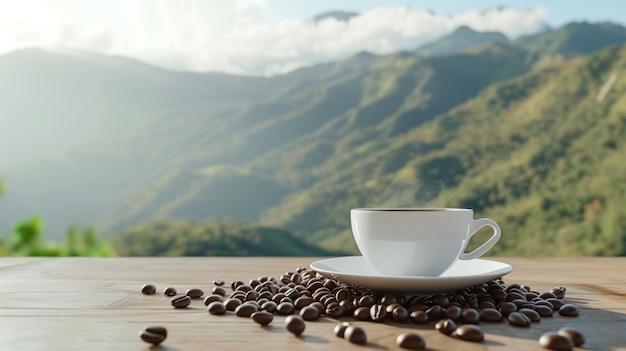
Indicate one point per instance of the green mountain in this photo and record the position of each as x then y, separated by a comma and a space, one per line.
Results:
459, 41
574, 39
499, 129
540, 154
211, 238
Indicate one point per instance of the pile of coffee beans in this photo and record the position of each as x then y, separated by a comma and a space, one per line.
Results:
304, 295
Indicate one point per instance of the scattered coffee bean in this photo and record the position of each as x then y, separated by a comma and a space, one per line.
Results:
556, 303
490, 315
148, 289
378, 313
169, 291
232, 303
269, 306
518, 319
180, 301
507, 307
366, 301
153, 335
212, 298
470, 316
309, 313
469, 332
454, 312
446, 326
285, 308
547, 295
340, 329
435, 313
569, 310
418, 317
218, 290
194, 293
559, 292
355, 335
216, 308
576, 336
400, 314
411, 341
555, 341
245, 310
531, 314
219, 282
295, 324
544, 311
363, 314
262, 317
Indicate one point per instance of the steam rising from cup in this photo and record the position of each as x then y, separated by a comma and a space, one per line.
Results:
408, 193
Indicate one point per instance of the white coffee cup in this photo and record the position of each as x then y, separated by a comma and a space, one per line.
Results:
417, 242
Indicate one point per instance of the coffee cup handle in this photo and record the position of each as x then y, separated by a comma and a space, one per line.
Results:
487, 245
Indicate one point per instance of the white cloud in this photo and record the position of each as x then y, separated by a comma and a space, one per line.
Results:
237, 36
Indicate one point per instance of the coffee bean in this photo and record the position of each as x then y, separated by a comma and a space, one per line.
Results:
153, 335
295, 324
544, 311
469, 332
515, 296
334, 310
269, 306
435, 313
245, 310
507, 307
388, 299
148, 289
569, 310
219, 282
212, 298
216, 308
470, 316
366, 301
378, 313
285, 308
392, 307
418, 317
547, 295
556, 303
169, 291
309, 313
411, 341
348, 307
490, 315
576, 336
400, 314
555, 341
194, 293
454, 312
355, 335
446, 326
244, 288
232, 303
254, 283
340, 329
559, 292
320, 306
180, 301
518, 319
531, 314
303, 301
262, 317
362, 313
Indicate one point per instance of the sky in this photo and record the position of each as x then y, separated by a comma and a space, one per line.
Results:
268, 37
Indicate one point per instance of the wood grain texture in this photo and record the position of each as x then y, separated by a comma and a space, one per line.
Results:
96, 304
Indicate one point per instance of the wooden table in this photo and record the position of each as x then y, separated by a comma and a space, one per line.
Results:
96, 304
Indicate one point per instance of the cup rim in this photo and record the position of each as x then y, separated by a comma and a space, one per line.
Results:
411, 209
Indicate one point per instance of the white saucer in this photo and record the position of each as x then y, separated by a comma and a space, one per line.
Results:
357, 271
